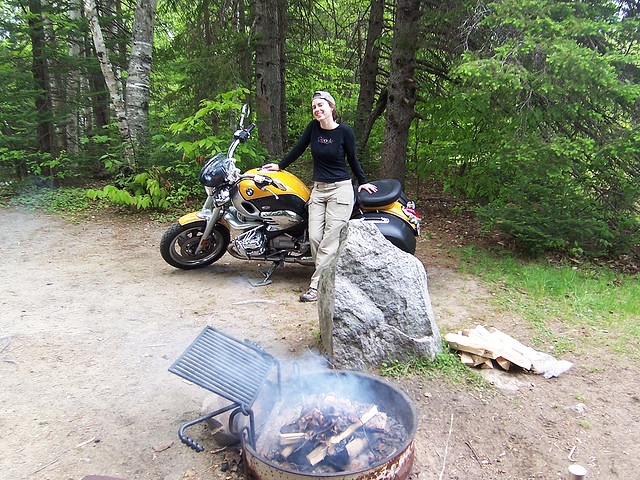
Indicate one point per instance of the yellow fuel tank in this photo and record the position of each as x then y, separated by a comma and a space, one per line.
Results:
251, 200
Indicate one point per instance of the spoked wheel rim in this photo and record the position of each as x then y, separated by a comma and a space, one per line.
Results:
184, 247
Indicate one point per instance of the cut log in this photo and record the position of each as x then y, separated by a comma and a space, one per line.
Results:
504, 363
515, 344
286, 451
291, 438
317, 454
467, 359
356, 446
320, 452
480, 341
487, 364
505, 347
378, 423
468, 344
471, 359
269, 435
368, 415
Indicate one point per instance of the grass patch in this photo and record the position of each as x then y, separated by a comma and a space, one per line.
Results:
69, 203
445, 366
569, 306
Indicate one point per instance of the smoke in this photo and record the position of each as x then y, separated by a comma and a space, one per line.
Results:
309, 421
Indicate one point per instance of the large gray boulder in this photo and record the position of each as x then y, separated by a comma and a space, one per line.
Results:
373, 302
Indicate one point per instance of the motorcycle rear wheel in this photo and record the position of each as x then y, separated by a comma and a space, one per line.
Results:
179, 243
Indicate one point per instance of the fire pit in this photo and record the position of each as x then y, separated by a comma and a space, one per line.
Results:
325, 424
332, 424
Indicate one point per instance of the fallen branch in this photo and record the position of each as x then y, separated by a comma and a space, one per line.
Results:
446, 448
249, 302
92, 439
4, 347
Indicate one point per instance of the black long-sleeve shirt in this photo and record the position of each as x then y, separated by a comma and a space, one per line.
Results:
329, 148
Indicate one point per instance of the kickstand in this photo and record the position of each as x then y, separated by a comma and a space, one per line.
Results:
266, 280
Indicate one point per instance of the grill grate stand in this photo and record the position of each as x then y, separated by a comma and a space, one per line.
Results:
236, 370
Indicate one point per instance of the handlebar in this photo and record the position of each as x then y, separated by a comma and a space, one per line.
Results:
240, 136
243, 134
263, 181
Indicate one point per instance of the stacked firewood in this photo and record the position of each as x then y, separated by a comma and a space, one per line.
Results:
486, 348
329, 434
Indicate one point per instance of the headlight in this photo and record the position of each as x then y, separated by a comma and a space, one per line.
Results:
213, 174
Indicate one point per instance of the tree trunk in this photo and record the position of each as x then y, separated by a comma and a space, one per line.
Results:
42, 83
282, 29
113, 86
71, 140
135, 129
97, 116
139, 74
269, 75
246, 56
402, 89
368, 75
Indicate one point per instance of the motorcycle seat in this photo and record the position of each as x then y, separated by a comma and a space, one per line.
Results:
389, 190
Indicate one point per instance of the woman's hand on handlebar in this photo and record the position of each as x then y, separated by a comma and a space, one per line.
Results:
270, 167
368, 187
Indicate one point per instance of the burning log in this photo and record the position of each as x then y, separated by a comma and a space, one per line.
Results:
320, 452
365, 418
331, 434
356, 446
291, 438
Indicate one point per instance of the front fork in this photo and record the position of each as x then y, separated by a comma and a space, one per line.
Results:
211, 219
209, 215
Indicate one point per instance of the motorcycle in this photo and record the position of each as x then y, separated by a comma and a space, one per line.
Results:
262, 215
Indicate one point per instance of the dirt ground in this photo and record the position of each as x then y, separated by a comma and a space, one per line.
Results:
92, 318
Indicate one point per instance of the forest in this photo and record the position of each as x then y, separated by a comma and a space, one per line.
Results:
526, 111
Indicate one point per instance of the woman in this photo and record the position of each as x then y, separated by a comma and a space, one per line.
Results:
332, 199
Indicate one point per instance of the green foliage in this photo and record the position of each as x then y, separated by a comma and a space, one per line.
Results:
48, 168
532, 115
176, 183
318, 68
17, 114
540, 130
142, 191
445, 365
198, 141
542, 209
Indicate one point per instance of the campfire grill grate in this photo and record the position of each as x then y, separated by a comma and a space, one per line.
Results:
234, 369
224, 365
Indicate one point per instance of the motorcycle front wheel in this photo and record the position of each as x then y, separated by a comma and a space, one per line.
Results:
180, 242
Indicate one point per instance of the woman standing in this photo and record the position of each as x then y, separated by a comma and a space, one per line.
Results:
332, 199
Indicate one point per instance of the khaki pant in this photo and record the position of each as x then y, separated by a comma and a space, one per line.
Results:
330, 207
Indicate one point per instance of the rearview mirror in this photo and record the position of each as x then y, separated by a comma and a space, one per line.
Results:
245, 112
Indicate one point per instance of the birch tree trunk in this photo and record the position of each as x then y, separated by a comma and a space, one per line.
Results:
132, 106
139, 73
402, 89
113, 86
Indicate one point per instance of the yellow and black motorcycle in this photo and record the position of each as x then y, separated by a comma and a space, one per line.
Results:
262, 215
